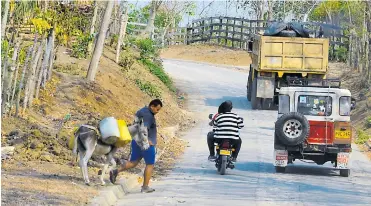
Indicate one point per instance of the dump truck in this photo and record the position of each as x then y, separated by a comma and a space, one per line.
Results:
277, 60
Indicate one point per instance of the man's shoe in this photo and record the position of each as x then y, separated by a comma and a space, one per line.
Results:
113, 175
147, 189
212, 158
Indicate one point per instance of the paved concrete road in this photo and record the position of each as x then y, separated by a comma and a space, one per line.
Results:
195, 181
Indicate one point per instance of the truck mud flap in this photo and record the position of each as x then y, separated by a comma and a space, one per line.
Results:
265, 87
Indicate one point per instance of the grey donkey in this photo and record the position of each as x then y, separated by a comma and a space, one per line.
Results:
88, 143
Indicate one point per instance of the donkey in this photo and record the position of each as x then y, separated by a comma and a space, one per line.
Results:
88, 143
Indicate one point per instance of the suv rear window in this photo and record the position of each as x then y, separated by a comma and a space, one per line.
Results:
315, 105
344, 108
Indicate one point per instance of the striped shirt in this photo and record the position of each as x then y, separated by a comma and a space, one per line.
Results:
227, 125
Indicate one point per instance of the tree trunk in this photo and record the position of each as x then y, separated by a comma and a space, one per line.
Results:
4, 68
164, 34
21, 82
305, 18
45, 65
92, 26
51, 55
270, 10
148, 31
123, 23
93, 66
350, 50
7, 79
350, 15
14, 87
31, 77
116, 15
34, 80
45, 5
4, 20
43, 70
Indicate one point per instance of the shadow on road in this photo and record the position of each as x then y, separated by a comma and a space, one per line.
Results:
263, 174
309, 169
238, 102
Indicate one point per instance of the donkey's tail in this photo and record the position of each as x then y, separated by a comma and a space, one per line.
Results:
74, 151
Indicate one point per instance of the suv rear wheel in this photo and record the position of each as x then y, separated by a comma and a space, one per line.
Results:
292, 128
345, 172
280, 169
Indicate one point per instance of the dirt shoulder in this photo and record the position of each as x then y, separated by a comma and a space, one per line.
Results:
42, 167
209, 54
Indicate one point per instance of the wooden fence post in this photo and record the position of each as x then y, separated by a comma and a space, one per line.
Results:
220, 28
233, 35
226, 33
241, 34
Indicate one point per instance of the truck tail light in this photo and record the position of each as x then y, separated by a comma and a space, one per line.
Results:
349, 150
266, 74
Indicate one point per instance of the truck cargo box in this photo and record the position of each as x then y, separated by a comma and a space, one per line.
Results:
290, 54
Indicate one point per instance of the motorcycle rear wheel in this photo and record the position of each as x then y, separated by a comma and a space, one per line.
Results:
223, 164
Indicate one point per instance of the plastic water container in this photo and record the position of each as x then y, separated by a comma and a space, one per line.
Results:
109, 130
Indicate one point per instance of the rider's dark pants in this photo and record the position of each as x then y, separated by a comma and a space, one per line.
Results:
235, 142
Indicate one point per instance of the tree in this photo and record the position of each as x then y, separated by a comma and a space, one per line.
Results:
123, 23
8, 77
4, 20
170, 14
148, 31
21, 82
92, 25
98, 49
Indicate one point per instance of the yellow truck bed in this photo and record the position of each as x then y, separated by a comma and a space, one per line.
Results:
290, 54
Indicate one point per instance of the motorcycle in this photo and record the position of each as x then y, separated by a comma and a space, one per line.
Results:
224, 151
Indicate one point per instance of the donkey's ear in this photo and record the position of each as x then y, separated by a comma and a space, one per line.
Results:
141, 121
136, 119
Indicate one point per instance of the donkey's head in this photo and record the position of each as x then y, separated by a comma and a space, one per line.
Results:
140, 129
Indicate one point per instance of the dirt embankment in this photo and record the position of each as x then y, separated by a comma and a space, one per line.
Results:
40, 169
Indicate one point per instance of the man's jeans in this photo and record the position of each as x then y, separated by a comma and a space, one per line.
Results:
210, 142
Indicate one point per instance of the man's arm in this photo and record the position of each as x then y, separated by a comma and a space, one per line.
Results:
215, 123
240, 124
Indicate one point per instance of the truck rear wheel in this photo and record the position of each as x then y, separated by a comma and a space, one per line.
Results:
249, 84
267, 104
255, 101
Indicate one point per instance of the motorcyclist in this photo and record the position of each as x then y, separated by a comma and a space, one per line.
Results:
226, 126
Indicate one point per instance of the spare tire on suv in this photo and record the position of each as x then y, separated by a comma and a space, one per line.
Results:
292, 128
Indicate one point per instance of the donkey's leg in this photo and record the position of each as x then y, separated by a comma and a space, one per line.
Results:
88, 154
109, 158
106, 163
81, 164
113, 163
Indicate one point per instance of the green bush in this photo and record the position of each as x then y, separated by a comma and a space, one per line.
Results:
72, 69
362, 137
147, 48
148, 88
341, 54
114, 39
368, 122
159, 72
4, 48
80, 47
126, 62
